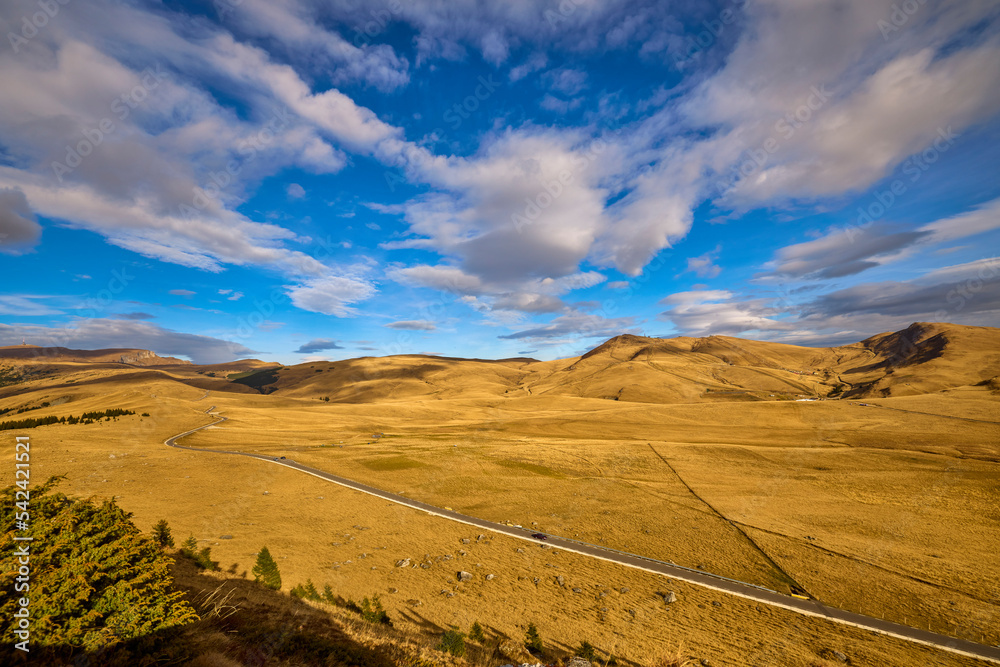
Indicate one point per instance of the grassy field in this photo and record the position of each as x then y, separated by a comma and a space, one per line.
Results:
859, 506
888, 508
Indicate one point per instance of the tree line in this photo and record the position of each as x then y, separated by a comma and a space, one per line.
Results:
85, 418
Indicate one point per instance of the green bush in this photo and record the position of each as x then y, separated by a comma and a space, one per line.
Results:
96, 579
453, 642
476, 633
587, 651
532, 640
371, 610
201, 557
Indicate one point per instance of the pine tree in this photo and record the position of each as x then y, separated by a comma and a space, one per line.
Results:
310, 591
190, 548
161, 533
532, 640
476, 633
96, 579
586, 651
265, 570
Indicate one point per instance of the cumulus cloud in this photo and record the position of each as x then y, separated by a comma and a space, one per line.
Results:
318, 345
720, 312
98, 333
332, 295
413, 325
704, 265
295, 191
567, 81
19, 230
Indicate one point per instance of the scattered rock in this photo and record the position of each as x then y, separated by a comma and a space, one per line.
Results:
561, 581
537, 580
450, 595
668, 597
839, 656
489, 577
403, 563
462, 553
480, 537
414, 603
520, 551
632, 612
705, 663
466, 540
393, 590
602, 594
424, 566
577, 590
716, 603
225, 537
625, 589
578, 662
465, 576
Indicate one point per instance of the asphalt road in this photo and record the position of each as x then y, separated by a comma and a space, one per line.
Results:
714, 582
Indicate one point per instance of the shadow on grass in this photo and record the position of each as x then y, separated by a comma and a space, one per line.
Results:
242, 623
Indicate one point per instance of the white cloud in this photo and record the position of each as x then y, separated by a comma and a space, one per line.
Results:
98, 333
331, 295
413, 325
295, 191
704, 265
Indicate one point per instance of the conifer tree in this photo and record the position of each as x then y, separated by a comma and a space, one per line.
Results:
97, 580
161, 533
532, 640
265, 570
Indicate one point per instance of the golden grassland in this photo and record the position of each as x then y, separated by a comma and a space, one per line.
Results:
902, 532
890, 509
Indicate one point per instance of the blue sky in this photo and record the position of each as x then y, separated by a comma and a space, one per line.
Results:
296, 180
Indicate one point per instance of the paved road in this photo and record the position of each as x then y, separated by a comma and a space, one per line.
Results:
714, 582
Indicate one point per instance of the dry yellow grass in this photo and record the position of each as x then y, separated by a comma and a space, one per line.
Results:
887, 510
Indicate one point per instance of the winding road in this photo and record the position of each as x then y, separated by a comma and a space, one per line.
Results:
704, 579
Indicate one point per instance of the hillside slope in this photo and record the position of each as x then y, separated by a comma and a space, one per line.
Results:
921, 359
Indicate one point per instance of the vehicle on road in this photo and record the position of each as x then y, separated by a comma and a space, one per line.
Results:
282, 458
539, 536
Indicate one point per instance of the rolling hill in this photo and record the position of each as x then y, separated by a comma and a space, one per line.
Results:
923, 358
